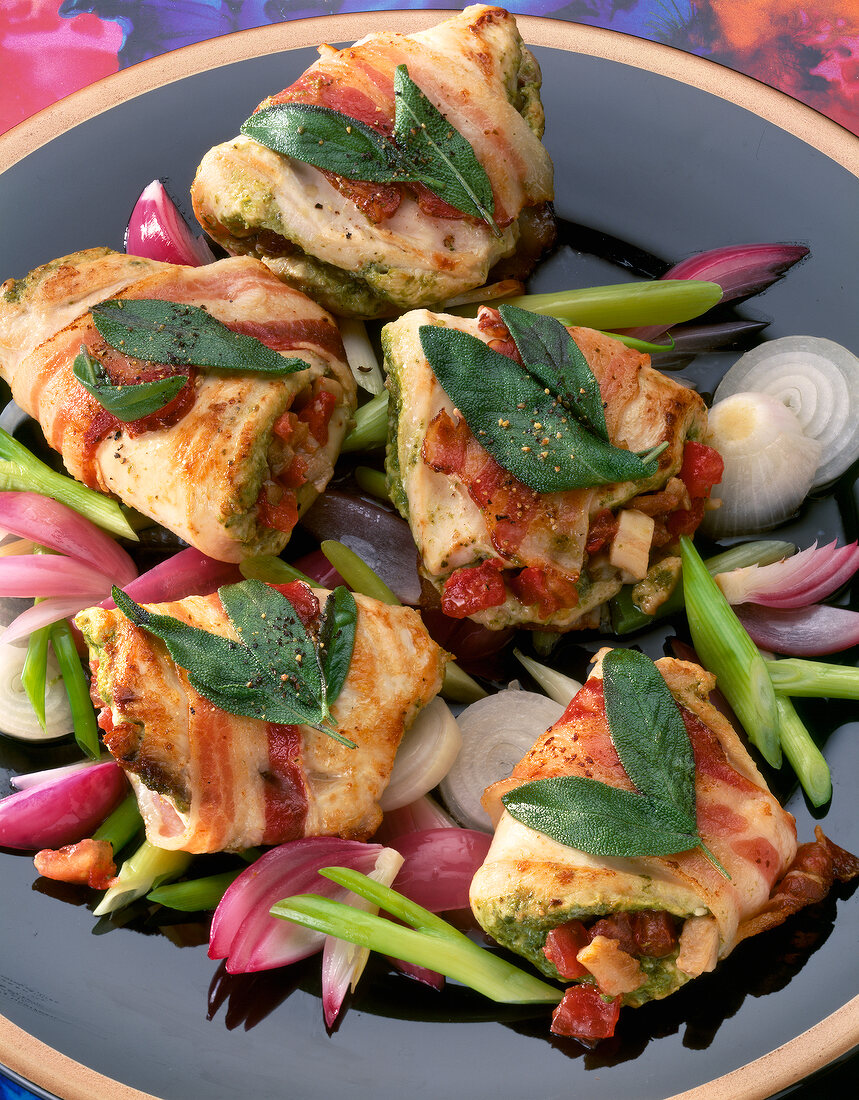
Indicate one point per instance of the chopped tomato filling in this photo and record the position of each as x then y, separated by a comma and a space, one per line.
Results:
295, 473
282, 516
702, 468
645, 932
317, 413
563, 944
585, 1014
603, 528
285, 425
687, 520
302, 599
546, 588
473, 589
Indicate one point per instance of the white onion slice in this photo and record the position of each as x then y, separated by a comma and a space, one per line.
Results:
17, 717
426, 752
360, 355
496, 734
818, 380
769, 464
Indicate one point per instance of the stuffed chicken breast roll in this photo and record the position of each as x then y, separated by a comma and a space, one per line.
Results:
209, 780
498, 550
230, 460
633, 930
372, 247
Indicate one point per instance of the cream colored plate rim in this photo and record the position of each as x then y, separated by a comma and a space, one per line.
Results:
828, 1040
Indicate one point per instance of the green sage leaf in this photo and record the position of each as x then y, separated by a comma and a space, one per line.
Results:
526, 430
553, 358
127, 402
648, 731
337, 639
272, 673
184, 335
593, 817
434, 153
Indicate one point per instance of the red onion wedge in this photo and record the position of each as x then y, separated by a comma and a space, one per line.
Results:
424, 813
51, 575
28, 780
375, 533
63, 811
740, 270
47, 611
800, 631
157, 231
806, 578
55, 525
188, 573
439, 866
243, 931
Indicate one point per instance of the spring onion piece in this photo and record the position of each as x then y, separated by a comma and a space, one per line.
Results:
556, 685
496, 733
818, 380
626, 616
481, 294
730, 654
424, 756
195, 894
805, 578
770, 463
430, 942
658, 302
372, 481
814, 679
343, 963
371, 426
813, 631
243, 931
360, 355
61, 811
21, 471
34, 674
120, 826
19, 718
147, 868
157, 231
77, 688
458, 686
802, 754
272, 570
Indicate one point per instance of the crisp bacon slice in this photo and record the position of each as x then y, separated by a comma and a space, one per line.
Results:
87, 863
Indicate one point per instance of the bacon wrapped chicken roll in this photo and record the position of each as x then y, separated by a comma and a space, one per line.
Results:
503, 553
232, 459
366, 246
208, 780
632, 930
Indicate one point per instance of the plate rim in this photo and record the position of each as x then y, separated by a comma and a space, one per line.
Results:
837, 1034
770, 104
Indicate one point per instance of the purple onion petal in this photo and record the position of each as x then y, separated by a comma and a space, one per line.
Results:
800, 631
41, 614
740, 270
36, 575
188, 573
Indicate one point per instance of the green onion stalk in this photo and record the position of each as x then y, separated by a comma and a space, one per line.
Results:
802, 753
372, 481
371, 426
21, 471
429, 941
814, 679
730, 654
458, 686
147, 868
273, 570
621, 305
121, 826
195, 895
77, 688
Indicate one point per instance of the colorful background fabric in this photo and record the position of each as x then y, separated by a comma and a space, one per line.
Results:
809, 50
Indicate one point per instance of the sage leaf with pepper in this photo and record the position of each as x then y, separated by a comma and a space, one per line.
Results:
129, 401
273, 672
647, 729
180, 334
424, 147
521, 421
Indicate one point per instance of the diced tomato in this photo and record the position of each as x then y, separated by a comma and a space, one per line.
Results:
546, 588
585, 1014
282, 516
473, 589
302, 599
316, 414
686, 521
644, 932
284, 426
602, 529
295, 474
563, 944
702, 468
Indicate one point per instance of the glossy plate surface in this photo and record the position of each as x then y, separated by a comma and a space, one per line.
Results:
667, 154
